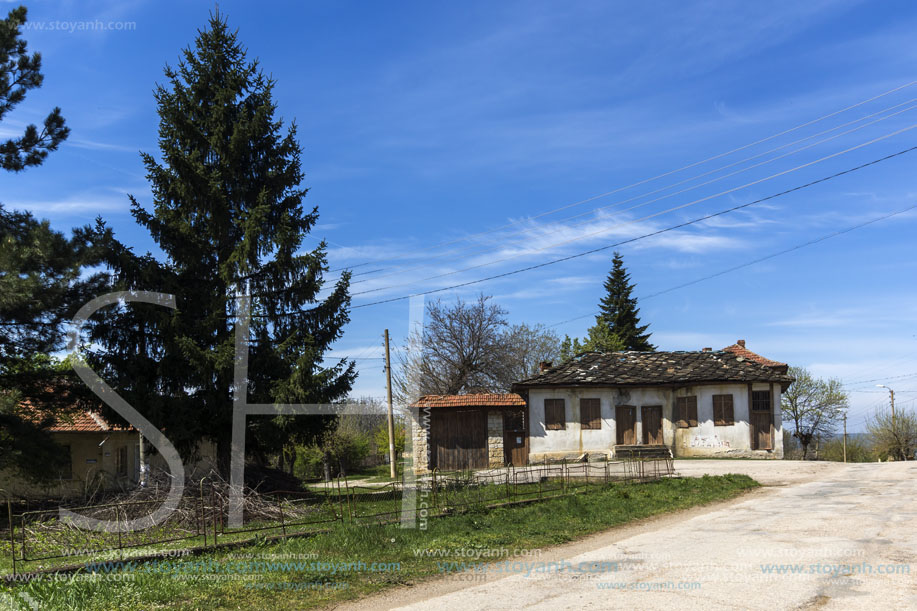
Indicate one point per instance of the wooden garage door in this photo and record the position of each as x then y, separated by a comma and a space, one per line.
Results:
458, 439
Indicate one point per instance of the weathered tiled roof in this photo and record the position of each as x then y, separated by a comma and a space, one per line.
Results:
471, 400
653, 368
740, 349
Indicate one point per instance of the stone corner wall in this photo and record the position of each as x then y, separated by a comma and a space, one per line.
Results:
495, 454
420, 440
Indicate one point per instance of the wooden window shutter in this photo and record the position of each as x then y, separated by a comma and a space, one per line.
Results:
554, 417
723, 412
680, 420
692, 410
590, 414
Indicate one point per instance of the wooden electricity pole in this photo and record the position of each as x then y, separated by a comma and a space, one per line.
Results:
391, 416
845, 436
891, 394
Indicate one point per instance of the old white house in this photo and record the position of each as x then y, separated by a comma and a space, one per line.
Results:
704, 403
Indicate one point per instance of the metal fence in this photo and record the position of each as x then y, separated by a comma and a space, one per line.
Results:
40, 535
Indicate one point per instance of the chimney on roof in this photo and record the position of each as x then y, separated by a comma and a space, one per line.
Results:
707, 350
741, 342
544, 365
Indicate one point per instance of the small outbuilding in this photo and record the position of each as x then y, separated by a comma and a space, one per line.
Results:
474, 431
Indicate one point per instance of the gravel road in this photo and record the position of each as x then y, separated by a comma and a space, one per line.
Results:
817, 536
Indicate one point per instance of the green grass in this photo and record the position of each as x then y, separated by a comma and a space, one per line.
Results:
536, 525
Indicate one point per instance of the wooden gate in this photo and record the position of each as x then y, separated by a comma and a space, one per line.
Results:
761, 420
626, 424
652, 424
515, 439
458, 439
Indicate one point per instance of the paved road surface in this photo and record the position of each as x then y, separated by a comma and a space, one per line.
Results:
845, 537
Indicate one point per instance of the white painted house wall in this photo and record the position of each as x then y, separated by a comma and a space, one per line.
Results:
706, 439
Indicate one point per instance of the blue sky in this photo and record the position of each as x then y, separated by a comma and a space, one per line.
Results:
436, 136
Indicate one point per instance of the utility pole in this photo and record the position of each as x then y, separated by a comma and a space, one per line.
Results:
845, 435
894, 423
391, 415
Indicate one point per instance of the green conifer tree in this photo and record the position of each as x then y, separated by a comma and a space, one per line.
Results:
618, 308
228, 215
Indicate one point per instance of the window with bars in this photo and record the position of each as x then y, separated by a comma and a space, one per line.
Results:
685, 412
761, 401
723, 412
590, 413
554, 417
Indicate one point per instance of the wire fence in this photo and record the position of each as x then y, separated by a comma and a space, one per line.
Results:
202, 519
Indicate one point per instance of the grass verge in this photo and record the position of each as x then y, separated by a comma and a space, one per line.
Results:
349, 561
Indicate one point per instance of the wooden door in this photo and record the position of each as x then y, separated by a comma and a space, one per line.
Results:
761, 420
652, 424
626, 424
458, 439
515, 439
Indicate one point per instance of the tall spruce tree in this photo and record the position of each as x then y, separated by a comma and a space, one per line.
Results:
618, 308
228, 216
42, 283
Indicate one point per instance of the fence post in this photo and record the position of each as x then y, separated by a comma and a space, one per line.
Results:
203, 519
283, 526
347, 495
213, 511
433, 486
9, 513
22, 530
508, 497
340, 503
118, 520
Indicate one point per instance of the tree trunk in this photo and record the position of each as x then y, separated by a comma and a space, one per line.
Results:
326, 466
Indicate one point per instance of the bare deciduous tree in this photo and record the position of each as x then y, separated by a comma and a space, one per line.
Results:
469, 347
813, 405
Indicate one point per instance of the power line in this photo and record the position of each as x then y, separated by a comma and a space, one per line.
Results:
647, 217
906, 375
651, 234
665, 174
758, 260
525, 230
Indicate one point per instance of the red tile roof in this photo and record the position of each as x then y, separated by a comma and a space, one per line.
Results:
82, 422
473, 400
78, 422
739, 349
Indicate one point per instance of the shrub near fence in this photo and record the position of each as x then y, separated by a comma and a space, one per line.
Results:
203, 522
